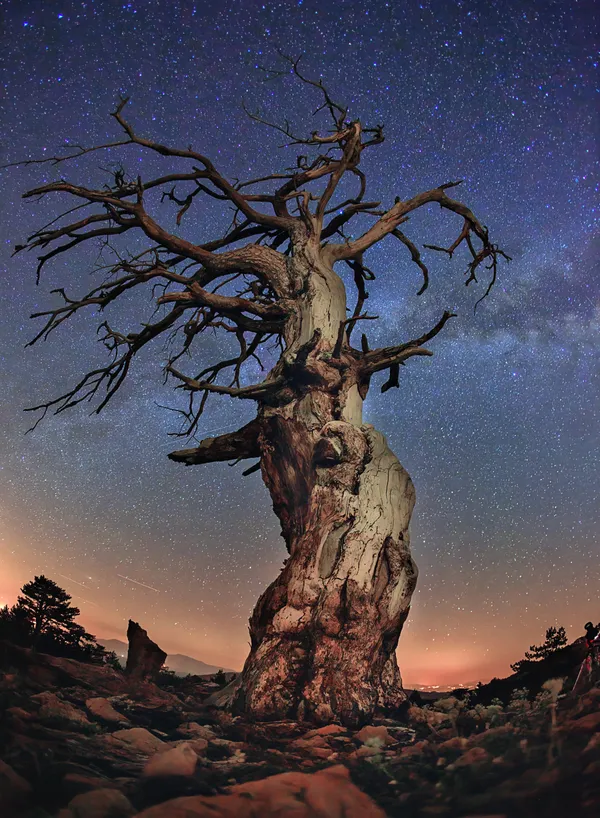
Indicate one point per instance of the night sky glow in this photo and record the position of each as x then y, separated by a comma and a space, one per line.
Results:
499, 430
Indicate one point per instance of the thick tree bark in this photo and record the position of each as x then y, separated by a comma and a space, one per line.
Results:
324, 634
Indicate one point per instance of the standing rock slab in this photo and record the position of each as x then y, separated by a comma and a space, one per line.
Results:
144, 658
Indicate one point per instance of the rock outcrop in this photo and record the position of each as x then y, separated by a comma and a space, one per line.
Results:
327, 793
77, 750
145, 658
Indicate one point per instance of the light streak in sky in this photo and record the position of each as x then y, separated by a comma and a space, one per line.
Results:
73, 580
87, 601
139, 583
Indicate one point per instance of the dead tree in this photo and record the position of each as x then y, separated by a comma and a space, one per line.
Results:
324, 634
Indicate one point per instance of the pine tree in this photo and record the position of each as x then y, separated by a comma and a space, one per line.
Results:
48, 608
556, 638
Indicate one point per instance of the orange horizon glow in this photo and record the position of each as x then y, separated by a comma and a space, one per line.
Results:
424, 656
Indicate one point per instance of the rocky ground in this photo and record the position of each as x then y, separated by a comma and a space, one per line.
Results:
83, 741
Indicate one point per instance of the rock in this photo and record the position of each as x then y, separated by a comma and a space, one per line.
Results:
138, 739
223, 697
144, 657
476, 755
226, 745
98, 804
77, 783
323, 752
308, 743
457, 743
15, 792
53, 709
365, 751
19, 713
198, 745
103, 709
593, 770
327, 793
41, 672
327, 731
593, 744
194, 730
180, 760
585, 724
414, 750
374, 734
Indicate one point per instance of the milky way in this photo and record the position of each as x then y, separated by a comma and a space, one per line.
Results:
499, 430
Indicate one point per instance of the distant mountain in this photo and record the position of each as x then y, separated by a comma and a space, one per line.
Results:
182, 665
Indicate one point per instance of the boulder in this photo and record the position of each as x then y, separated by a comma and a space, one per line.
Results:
15, 792
308, 743
194, 730
138, 739
365, 751
327, 793
144, 658
476, 755
327, 732
76, 783
54, 710
374, 734
585, 724
179, 760
198, 745
102, 709
98, 804
413, 751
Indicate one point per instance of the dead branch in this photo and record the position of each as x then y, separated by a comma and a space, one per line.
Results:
239, 445
245, 283
388, 223
387, 357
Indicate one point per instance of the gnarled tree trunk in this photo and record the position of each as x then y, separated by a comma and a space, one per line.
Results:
324, 634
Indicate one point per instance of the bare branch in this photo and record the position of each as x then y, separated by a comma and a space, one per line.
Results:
253, 392
416, 257
386, 357
239, 445
389, 222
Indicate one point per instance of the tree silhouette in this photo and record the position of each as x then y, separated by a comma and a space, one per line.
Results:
43, 618
556, 638
324, 634
220, 678
47, 606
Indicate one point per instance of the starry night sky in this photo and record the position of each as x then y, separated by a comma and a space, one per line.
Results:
499, 430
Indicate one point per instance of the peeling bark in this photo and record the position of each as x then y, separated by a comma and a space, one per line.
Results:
324, 634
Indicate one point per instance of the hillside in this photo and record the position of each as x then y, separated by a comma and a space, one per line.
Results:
79, 740
563, 663
178, 662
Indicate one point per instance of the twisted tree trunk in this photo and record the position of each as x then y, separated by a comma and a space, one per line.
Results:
324, 634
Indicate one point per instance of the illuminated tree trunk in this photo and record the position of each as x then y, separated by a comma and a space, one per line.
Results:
324, 634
